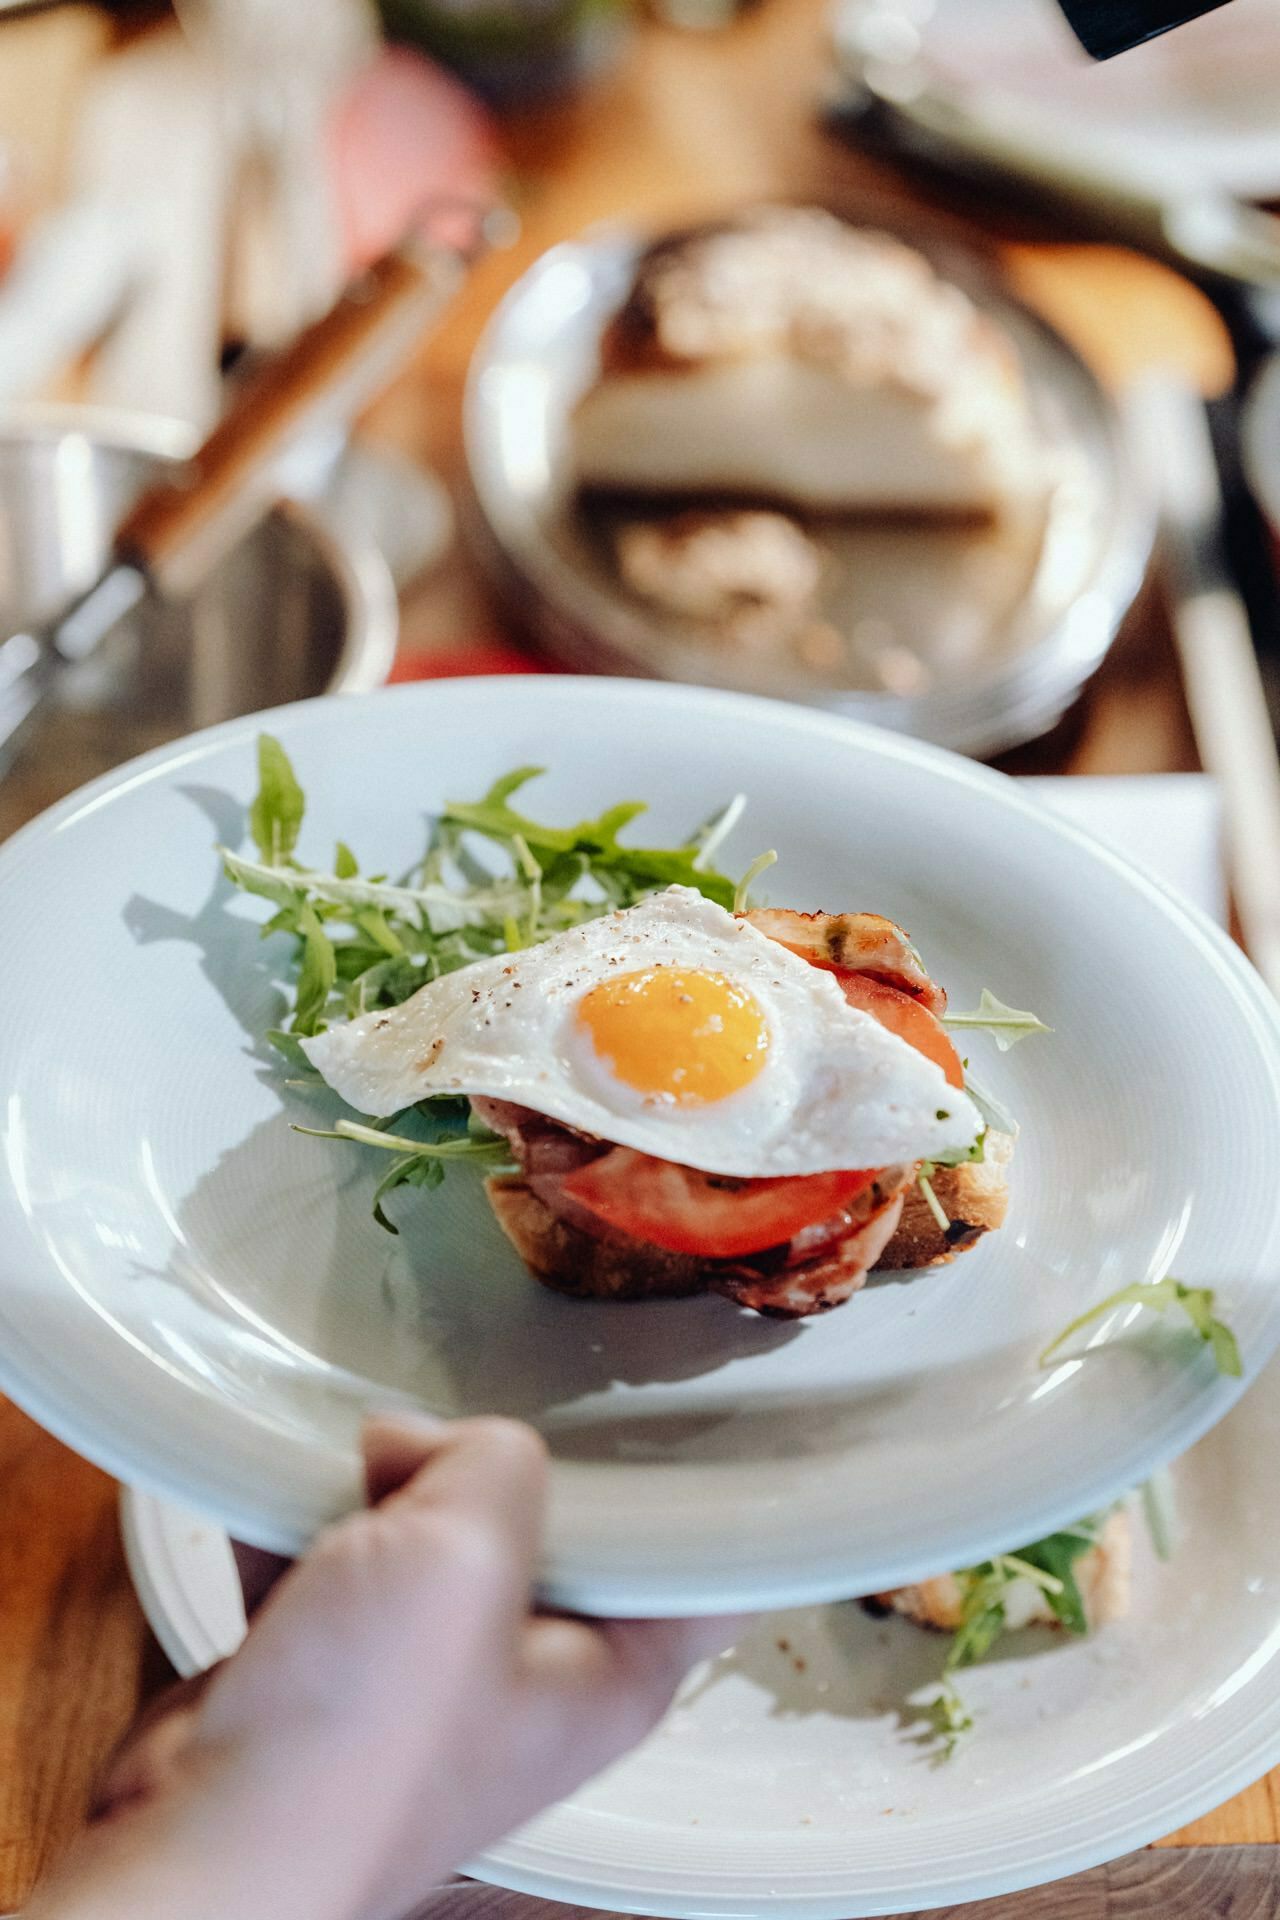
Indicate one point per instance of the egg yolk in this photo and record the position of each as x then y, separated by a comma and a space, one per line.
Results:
685, 1037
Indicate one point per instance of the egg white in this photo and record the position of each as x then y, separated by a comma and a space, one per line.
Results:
836, 1090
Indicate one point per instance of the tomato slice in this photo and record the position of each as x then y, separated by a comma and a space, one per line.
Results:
908, 1018
705, 1213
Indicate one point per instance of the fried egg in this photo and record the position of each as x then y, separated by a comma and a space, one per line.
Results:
670, 1027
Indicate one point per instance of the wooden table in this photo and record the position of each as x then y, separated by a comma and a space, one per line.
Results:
685, 126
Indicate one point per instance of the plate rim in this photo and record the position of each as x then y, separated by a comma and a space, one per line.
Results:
593, 1590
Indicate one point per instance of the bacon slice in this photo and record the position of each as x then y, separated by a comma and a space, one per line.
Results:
817, 1285
852, 943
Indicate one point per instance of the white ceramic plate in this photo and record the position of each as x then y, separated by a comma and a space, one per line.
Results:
197, 1297
787, 1782
1191, 108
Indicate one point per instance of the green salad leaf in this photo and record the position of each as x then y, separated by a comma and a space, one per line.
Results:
1050, 1565
1007, 1025
622, 871
997, 1117
1197, 1303
276, 814
491, 880
949, 1718
421, 1162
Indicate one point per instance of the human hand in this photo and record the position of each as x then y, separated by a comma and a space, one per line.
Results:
396, 1706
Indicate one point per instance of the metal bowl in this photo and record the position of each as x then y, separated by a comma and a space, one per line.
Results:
1007, 623
295, 610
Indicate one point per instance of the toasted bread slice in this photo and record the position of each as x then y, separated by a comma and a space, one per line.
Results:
974, 1197
572, 1262
1102, 1575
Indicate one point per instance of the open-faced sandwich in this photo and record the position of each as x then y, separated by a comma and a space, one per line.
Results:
1079, 1578
671, 1089
1076, 1581
697, 1100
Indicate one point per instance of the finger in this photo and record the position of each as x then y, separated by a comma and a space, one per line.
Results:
486, 1477
602, 1685
395, 1445
151, 1747
680, 1644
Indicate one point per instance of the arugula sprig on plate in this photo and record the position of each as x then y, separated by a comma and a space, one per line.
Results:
1049, 1565
492, 880
1007, 1025
1197, 1303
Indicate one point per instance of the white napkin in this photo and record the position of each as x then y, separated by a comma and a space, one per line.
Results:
1169, 824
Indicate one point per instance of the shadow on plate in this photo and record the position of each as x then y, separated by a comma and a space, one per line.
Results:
842, 1662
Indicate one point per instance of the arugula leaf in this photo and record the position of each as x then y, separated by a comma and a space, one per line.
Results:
466, 1146
372, 922
1007, 1025
1197, 1303
420, 1163
492, 880
491, 815
271, 883
436, 908
413, 1170
276, 814
1050, 1565
1056, 1555
742, 892
930, 1198
949, 1717
963, 1156
290, 1047
640, 869
389, 937
982, 1619
316, 975
997, 1117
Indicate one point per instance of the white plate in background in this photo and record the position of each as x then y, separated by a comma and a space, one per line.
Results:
196, 1296
786, 1784
1192, 108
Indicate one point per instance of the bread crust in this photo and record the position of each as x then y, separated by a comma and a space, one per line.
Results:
570, 1261
974, 1197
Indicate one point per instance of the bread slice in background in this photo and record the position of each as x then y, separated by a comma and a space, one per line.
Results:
1103, 1575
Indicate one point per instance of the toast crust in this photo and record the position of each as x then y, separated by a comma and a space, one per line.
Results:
974, 1197
570, 1261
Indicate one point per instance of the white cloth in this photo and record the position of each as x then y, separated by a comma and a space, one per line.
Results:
1169, 824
